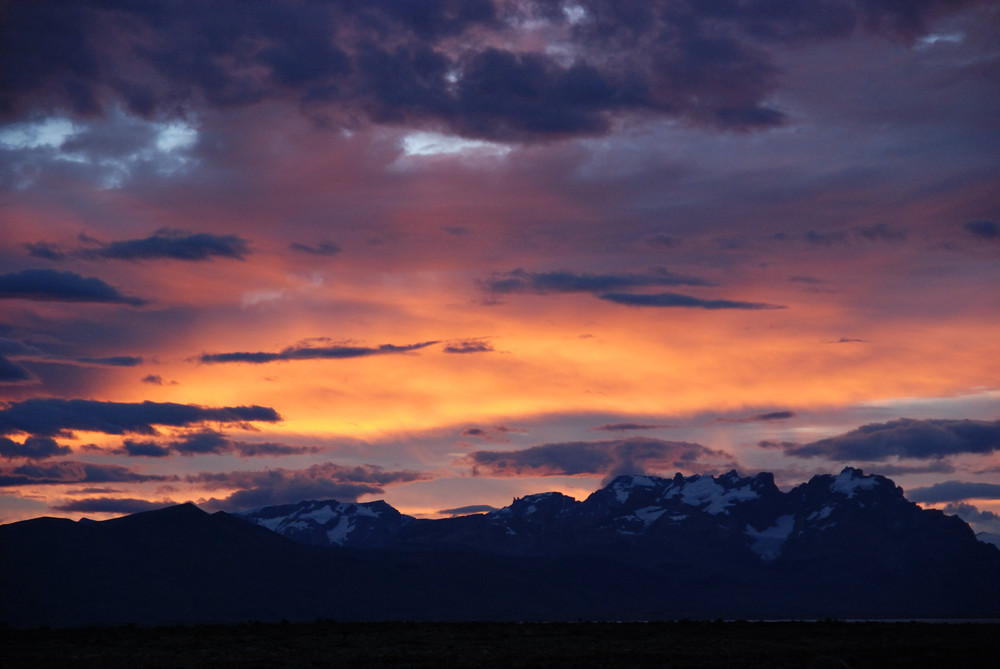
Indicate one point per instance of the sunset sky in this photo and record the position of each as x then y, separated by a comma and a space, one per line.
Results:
447, 253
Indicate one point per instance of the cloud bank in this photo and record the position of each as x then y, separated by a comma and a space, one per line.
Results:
286, 486
45, 285
166, 244
53, 417
458, 64
610, 458
905, 438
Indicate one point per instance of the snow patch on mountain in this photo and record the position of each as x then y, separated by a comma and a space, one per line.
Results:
767, 543
323, 514
821, 514
851, 480
649, 514
705, 492
624, 485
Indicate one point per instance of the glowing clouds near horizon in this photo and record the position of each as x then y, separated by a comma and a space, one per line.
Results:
508, 239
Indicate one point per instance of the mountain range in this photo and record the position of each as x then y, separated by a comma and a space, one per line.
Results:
641, 548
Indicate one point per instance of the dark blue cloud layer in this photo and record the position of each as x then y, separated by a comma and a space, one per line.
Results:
165, 244
610, 458
673, 300
287, 486
390, 61
623, 427
45, 285
11, 372
988, 230
905, 438
321, 249
210, 442
954, 491
49, 417
110, 505
33, 448
314, 353
63, 472
541, 283
472, 346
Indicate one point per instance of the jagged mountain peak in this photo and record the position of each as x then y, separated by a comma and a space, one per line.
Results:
330, 522
851, 486
530, 505
712, 494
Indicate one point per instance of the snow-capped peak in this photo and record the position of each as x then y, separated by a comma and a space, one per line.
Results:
851, 480
713, 497
329, 522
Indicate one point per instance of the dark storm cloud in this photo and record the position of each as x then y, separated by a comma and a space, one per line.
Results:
432, 63
954, 491
48, 417
541, 283
110, 505
468, 510
320, 249
11, 372
988, 230
47, 473
668, 300
46, 285
313, 353
285, 486
610, 458
472, 346
906, 438
33, 448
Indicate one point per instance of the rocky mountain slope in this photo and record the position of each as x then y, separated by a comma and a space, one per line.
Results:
641, 548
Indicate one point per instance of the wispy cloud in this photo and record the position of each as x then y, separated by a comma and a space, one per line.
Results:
165, 244
314, 353
541, 283
669, 300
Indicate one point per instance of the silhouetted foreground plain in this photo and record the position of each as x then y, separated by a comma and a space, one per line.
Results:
659, 644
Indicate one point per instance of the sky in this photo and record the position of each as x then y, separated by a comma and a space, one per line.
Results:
449, 253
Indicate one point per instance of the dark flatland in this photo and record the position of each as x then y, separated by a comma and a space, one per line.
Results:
667, 644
